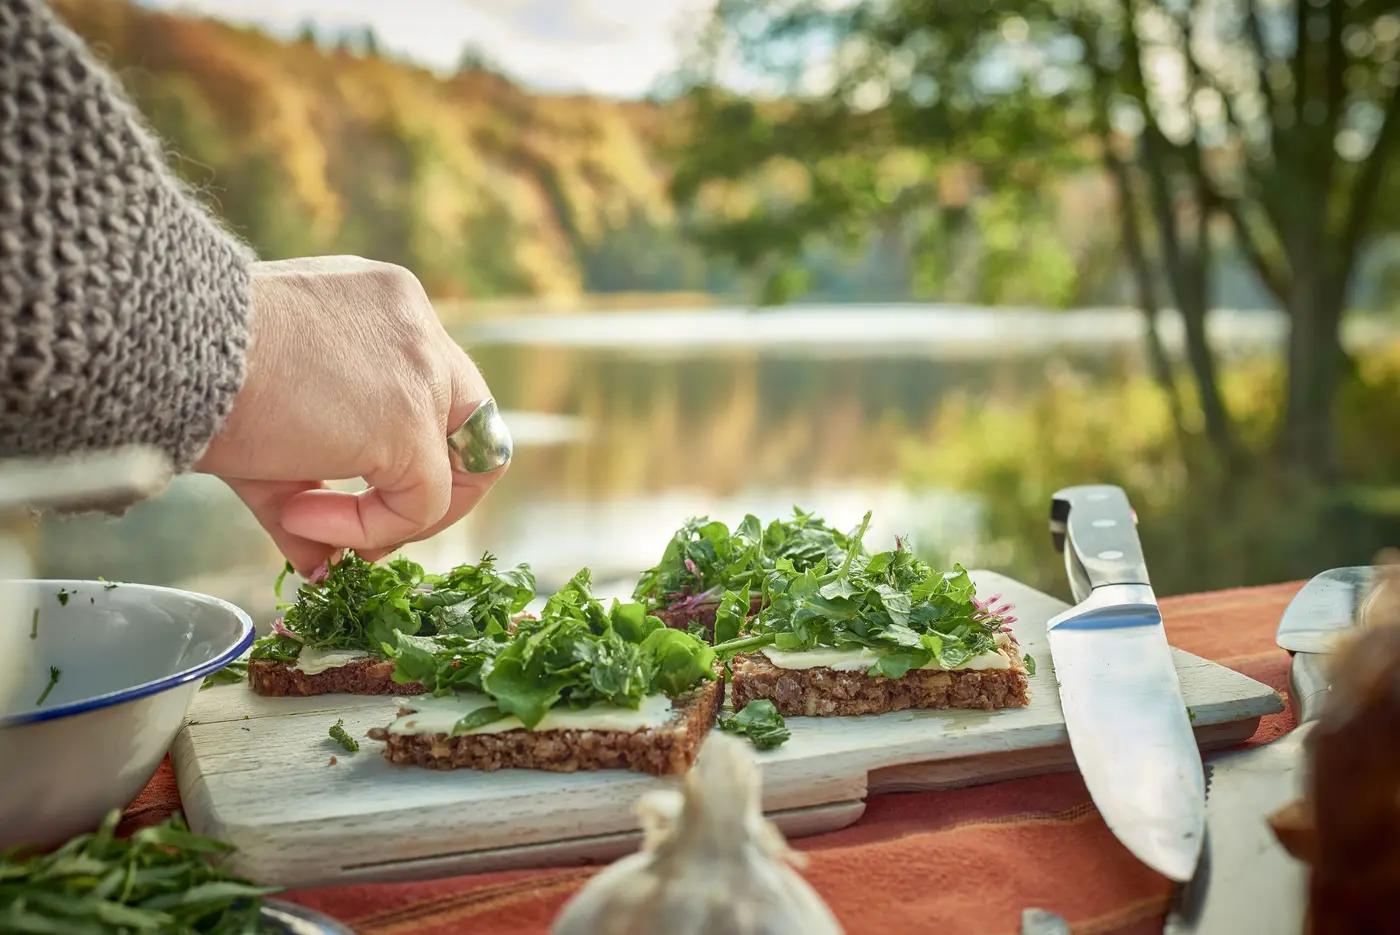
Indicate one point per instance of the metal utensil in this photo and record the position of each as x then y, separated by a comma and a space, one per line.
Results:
1325, 609
291, 919
1246, 881
93, 481
1127, 722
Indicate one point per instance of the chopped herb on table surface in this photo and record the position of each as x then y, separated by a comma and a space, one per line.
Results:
163, 879
34, 625
760, 722
704, 559
359, 606
236, 671
54, 673
1029, 660
341, 736
890, 602
577, 653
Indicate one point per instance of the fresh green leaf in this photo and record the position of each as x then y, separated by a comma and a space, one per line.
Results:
234, 672
162, 879
1030, 663
362, 606
732, 614
681, 661
54, 673
760, 722
62, 597
478, 718
341, 736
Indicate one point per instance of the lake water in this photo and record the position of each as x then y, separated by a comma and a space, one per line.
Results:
627, 424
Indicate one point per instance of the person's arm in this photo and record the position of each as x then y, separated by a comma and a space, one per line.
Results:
123, 305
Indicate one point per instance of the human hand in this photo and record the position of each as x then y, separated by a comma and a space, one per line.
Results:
350, 374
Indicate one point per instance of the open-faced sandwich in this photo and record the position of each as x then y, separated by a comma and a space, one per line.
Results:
581, 688
704, 560
332, 638
868, 635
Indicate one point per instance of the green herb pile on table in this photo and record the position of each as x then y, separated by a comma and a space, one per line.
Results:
578, 653
360, 606
163, 880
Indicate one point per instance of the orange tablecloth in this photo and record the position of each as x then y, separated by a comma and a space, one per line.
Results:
963, 862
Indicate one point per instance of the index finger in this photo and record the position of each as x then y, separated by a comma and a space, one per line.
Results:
398, 505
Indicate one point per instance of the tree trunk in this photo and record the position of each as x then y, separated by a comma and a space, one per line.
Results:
1315, 366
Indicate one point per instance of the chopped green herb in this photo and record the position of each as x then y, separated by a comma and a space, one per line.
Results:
1029, 660
1191, 715
760, 722
54, 673
341, 736
360, 606
34, 625
162, 879
577, 653
704, 560
890, 602
62, 596
106, 585
236, 671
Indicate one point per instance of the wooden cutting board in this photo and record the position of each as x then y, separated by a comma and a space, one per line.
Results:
257, 772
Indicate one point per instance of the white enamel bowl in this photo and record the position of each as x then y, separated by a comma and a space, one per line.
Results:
130, 658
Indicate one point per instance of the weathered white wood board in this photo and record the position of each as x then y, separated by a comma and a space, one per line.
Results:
256, 772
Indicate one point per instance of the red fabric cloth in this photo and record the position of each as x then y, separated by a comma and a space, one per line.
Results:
961, 862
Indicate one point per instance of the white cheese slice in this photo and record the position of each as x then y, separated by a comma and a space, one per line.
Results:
440, 715
312, 661
859, 660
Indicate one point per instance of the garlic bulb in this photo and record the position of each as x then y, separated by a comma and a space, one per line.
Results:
710, 864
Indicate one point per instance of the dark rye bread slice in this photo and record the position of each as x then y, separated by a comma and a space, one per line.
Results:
681, 617
824, 692
361, 677
659, 751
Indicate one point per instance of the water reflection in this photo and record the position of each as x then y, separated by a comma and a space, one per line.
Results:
620, 442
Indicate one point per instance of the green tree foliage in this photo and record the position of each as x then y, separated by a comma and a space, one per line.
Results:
1270, 123
480, 187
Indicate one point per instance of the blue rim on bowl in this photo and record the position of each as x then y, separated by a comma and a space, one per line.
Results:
145, 689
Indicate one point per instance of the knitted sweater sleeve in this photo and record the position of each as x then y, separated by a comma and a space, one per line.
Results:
123, 306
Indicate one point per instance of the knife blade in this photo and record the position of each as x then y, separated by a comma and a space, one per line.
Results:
1127, 721
1246, 881
1325, 609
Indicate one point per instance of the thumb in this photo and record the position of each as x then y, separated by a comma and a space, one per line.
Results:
400, 503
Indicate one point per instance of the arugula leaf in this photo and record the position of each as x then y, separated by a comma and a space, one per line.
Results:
236, 671
363, 606
478, 718
578, 653
704, 560
1029, 660
161, 879
760, 722
889, 602
732, 614
341, 736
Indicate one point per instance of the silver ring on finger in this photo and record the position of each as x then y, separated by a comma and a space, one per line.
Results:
483, 443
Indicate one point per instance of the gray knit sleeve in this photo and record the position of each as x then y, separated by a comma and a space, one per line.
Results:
123, 305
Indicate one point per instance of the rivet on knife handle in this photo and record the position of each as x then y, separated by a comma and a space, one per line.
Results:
1097, 523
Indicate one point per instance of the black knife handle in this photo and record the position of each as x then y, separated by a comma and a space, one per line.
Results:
1098, 524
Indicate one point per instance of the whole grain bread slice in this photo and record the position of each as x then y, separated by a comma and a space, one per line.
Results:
670, 748
361, 677
825, 692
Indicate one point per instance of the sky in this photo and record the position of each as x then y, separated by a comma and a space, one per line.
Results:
610, 47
